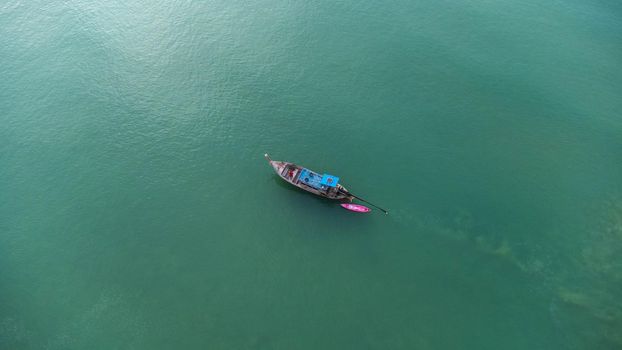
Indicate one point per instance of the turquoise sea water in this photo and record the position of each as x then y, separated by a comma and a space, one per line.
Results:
137, 211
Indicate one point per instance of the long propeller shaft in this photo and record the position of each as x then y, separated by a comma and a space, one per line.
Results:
363, 200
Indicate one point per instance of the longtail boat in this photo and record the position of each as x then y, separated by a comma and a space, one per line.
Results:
324, 185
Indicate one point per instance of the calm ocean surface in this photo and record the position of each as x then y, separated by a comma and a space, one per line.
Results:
137, 211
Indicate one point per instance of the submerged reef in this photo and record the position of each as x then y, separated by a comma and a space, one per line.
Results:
593, 291
582, 272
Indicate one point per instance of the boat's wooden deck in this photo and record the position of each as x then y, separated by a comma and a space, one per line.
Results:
295, 173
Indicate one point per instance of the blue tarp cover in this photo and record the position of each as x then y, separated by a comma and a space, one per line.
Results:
310, 178
329, 180
317, 181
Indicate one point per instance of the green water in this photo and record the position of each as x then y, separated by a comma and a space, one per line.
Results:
137, 211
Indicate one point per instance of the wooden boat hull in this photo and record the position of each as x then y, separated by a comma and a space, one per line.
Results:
290, 173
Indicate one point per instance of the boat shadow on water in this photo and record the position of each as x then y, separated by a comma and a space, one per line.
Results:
347, 220
324, 201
